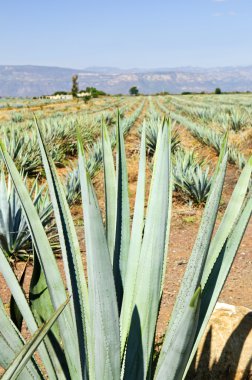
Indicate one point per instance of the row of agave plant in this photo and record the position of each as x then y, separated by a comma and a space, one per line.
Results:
191, 175
238, 100
15, 238
223, 103
94, 162
20, 104
103, 326
60, 136
229, 117
25, 114
23, 149
187, 103
207, 136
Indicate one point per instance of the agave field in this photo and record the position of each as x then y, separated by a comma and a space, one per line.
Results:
122, 222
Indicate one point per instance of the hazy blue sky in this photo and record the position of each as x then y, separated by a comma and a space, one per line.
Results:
129, 33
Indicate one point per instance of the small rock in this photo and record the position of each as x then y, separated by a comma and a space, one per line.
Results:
182, 262
225, 352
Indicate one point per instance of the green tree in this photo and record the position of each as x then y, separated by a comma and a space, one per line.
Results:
218, 91
75, 86
134, 90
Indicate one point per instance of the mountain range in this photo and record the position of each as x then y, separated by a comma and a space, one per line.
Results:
28, 80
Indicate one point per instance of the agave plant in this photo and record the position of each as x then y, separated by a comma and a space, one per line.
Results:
13, 141
196, 184
72, 182
152, 127
17, 117
95, 158
190, 177
15, 237
107, 330
236, 157
208, 137
23, 150
60, 135
237, 119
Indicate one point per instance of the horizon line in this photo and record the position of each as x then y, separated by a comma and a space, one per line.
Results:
93, 67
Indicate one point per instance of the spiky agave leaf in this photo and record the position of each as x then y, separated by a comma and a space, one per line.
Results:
71, 254
11, 342
134, 249
150, 269
29, 348
222, 251
110, 190
24, 309
104, 317
191, 280
122, 235
49, 266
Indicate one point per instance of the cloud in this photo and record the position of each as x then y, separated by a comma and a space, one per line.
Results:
221, 14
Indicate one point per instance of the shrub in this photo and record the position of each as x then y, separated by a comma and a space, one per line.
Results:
86, 98
217, 91
134, 90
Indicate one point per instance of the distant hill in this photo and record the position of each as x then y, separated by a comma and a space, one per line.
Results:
40, 80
